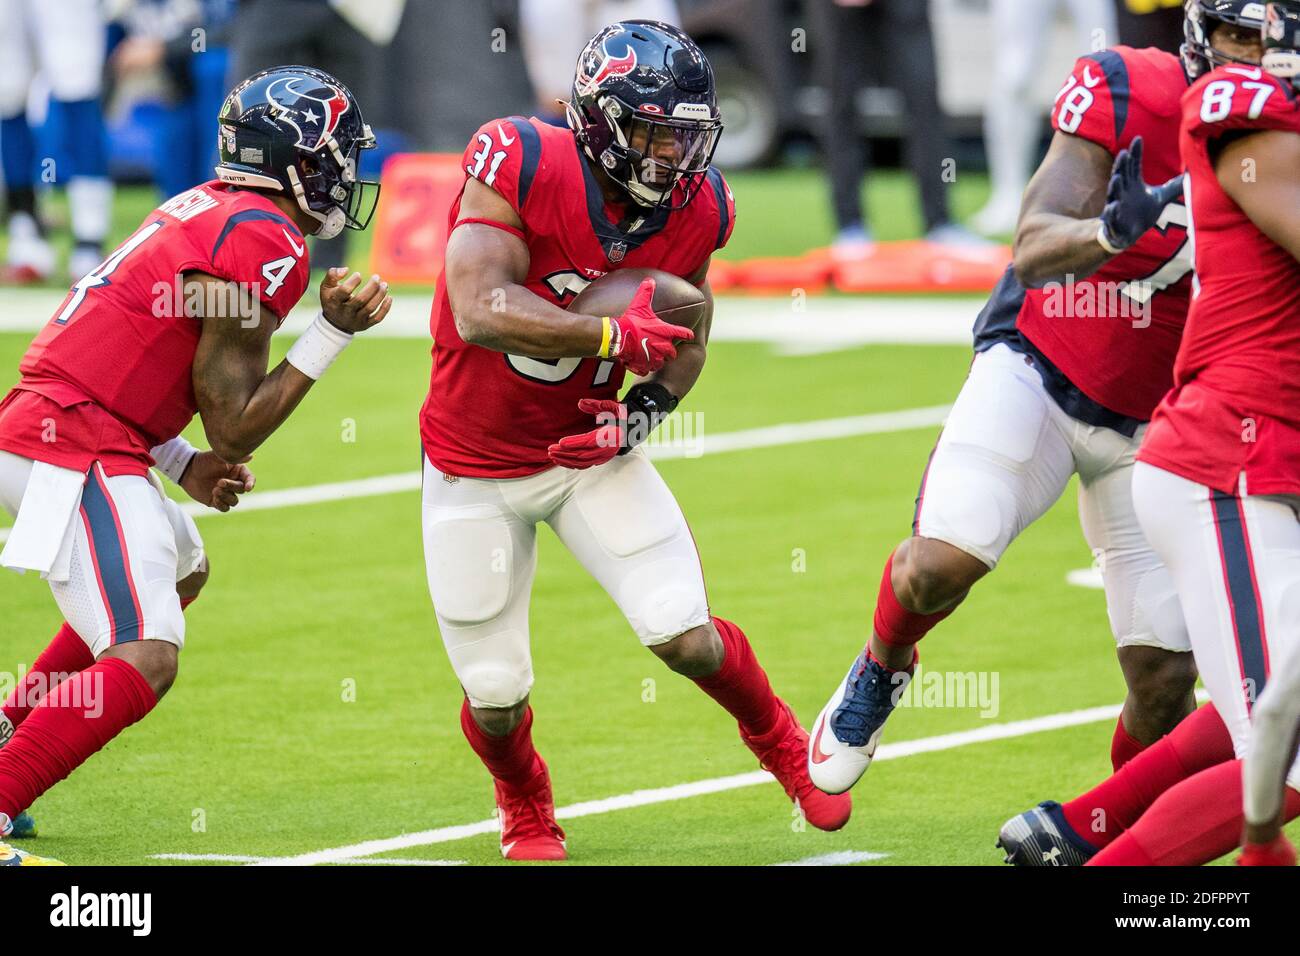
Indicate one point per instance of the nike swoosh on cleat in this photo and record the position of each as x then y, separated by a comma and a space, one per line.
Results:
817, 755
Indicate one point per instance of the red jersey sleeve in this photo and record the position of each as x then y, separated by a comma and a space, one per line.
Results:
264, 251
1094, 102
504, 155
726, 206
1240, 98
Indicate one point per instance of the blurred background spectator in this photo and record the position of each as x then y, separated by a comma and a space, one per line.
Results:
51, 62
1013, 127
893, 39
1157, 23
555, 31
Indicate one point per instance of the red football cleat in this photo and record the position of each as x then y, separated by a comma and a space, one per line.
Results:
21, 275
783, 752
528, 827
1278, 853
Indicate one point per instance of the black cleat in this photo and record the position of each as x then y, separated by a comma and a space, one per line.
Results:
1041, 837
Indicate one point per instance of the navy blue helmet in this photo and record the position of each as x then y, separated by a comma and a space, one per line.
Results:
645, 109
298, 131
1282, 40
1199, 21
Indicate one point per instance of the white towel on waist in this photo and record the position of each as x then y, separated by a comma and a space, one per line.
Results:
45, 529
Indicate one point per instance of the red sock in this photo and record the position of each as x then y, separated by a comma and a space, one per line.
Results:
1200, 741
895, 624
512, 759
1123, 746
67, 654
740, 685
75, 720
1193, 823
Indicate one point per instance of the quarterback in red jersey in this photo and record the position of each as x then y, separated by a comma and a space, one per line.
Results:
1073, 352
518, 382
177, 320
1217, 485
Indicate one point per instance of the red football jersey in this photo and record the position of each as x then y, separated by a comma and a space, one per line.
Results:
110, 376
492, 415
1235, 406
1115, 333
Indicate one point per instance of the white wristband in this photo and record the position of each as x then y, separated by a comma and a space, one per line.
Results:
318, 347
1103, 240
173, 457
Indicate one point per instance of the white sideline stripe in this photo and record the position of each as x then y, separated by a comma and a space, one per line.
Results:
842, 858
682, 791
745, 440
235, 858
819, 324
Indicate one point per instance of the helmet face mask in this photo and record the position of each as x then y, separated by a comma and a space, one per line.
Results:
298, 131
1201, 18
645, 111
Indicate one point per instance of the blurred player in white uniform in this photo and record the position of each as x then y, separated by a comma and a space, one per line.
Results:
63, 41
1011, 120
555, 31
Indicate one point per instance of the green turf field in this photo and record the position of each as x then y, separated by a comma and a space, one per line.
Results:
258, 750
316, 710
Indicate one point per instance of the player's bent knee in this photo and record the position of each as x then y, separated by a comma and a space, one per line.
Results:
493, 686
694, 653
499, 721
933, 574
1160, 682
157, 661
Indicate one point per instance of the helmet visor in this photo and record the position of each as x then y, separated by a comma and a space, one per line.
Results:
663, 151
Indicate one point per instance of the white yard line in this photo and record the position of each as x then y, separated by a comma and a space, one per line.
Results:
793, 326
235, 858
771, 436
683, 791
843, 858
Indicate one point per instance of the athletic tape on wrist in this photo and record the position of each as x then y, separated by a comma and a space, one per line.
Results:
318, 347
173, 457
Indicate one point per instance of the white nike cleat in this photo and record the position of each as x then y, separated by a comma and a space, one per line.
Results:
844, 739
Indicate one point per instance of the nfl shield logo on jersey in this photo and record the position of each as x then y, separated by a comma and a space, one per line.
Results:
617, 251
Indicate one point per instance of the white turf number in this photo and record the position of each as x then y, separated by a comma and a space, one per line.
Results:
481, 157
1216, 105
1078, 100
565, 285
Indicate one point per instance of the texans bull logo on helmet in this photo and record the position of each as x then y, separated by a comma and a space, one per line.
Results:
288, 99
607, 67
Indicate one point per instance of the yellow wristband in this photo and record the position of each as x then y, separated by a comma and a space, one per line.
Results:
604, 337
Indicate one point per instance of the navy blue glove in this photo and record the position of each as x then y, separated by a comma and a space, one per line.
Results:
1132, 207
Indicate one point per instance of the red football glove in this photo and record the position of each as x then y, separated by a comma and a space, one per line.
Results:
639, 339
594, 447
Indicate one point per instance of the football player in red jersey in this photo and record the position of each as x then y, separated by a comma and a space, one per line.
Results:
510, 432
1073, 352
177, 320
1217, 488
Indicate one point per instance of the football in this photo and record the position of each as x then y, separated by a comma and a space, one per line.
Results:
675, 301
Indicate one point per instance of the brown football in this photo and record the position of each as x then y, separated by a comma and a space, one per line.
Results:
676, 301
